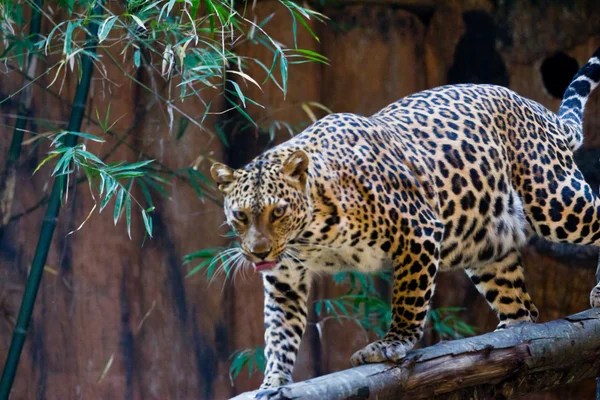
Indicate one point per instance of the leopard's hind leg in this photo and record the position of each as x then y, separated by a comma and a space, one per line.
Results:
502, 283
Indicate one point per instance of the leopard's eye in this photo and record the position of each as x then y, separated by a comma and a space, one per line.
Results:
278, 212
240, 216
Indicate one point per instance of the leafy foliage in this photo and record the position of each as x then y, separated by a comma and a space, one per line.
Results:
253, 359
113, 180
447, 324
177, 39
191, 46
214, 260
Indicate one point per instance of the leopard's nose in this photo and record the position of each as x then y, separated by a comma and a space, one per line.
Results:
262, 255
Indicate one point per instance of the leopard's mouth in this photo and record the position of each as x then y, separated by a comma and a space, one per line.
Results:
264, 265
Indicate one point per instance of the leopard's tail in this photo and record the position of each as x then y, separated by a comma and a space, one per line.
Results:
573, 102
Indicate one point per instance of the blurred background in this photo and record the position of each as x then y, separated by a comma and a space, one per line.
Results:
128, 318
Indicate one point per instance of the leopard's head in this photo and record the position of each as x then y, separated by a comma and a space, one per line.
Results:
266, 203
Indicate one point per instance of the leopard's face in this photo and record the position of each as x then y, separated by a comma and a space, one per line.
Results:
266, 204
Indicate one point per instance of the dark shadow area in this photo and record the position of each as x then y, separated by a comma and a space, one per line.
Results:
476, 59
557, 72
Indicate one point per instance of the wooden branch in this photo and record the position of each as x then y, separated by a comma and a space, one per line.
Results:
521, 359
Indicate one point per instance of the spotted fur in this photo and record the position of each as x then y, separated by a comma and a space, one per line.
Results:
454, 177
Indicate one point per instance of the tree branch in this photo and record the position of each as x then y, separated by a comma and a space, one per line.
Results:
502, 364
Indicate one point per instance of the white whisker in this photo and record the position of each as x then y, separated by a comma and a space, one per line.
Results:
226, 257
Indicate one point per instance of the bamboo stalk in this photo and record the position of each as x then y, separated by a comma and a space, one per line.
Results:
8, 177
47, 230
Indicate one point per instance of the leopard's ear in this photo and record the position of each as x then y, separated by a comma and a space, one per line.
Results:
296, 168
223, 177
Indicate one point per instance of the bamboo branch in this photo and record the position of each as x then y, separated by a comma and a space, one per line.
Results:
502, 364
47, 230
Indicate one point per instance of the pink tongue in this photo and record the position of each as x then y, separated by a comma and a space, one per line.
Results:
264, 265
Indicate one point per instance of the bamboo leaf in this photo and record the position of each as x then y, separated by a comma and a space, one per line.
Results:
128, 167
283, 66
119, 205
147, 222
221, 135
137, 58
106, 368
204, 253
68, 35
197, 268
106, 199
194, 10
146, 193
321, 106
309, 112
245, 76
183, 124
45, 160
239, 92
84, 221
276, 56
155, 186
106, 27
82, 135
139, 22
128, 214
308, 29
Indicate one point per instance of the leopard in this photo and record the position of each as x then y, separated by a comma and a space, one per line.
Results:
455, 177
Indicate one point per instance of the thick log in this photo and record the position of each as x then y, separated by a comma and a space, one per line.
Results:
502, 364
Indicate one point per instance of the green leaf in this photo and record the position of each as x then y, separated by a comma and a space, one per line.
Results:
314, 56
276, 55
45, 160
294, 28
118, 205
155, 186
194, 9
48, 40
283, 66
109, 194
195, 184
183, 124
303, 22
201, 177
128, 215
86, 155
147, 222
82, 135
198, 268
106, 27
63, 162
241, 111
221, 135
239, 92
146, 193
128, 167
204, 253
137, 58
68, 35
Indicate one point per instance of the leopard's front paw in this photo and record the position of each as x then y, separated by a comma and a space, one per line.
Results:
271, 388
381, 351
275, 380
277, 393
